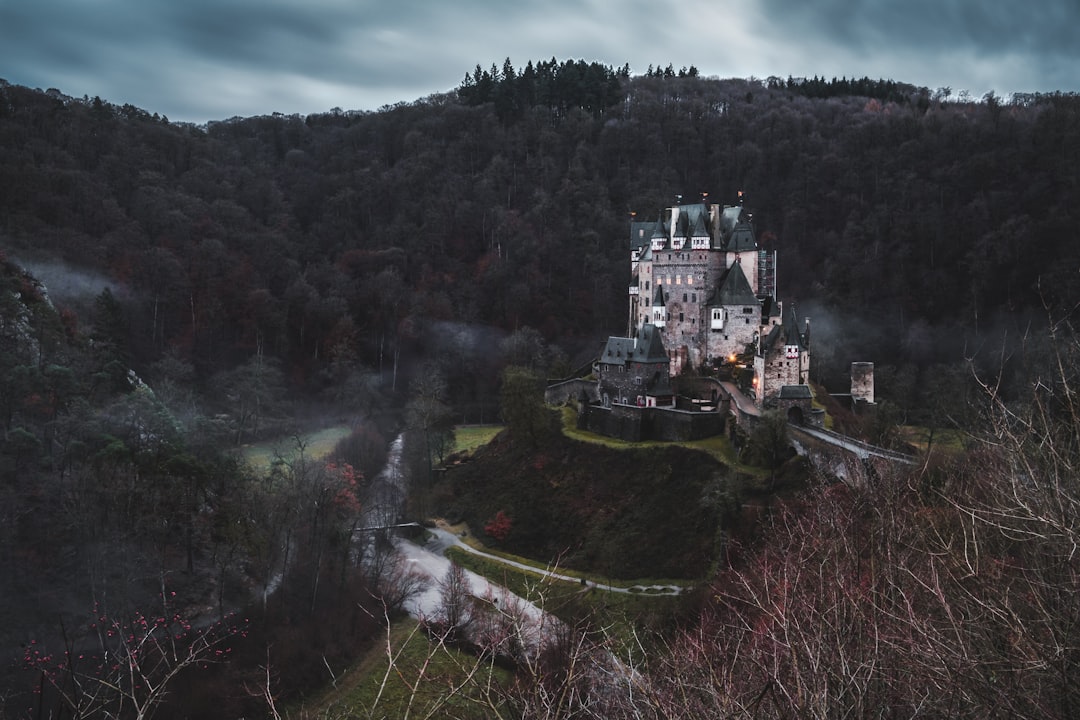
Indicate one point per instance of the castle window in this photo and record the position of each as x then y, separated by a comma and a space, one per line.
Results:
684, 297
680, 317
747, 321
678, 279
694, 297
689, 279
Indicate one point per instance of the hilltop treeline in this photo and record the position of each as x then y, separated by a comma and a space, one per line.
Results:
881, 89
549, 84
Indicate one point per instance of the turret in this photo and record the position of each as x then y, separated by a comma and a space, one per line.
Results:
659, 308
678, 239
659, 236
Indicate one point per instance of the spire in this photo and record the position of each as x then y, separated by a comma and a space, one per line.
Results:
659, 309
659, 236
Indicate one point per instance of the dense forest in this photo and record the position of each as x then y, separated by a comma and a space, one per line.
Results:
916, 224
192, 289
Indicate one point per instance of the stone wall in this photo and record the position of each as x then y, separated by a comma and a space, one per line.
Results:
635, 424
558, 393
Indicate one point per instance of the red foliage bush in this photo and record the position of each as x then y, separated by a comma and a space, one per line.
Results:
499, 528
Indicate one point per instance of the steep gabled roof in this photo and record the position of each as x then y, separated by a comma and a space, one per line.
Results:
729, 219
796, 392
650, 345
698, 226
681, 224
772, 339
742, 238
734, 289
786, 332
640, 234
617, 350
792, 336
658, 296
660, 231
647, 347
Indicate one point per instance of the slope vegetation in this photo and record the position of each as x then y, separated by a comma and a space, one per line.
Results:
629, 514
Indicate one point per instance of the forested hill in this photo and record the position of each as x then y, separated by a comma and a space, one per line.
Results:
354, 237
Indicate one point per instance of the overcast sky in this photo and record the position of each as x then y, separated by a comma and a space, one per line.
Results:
199, 60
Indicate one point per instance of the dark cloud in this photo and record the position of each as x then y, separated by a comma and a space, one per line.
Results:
1029, 45
210, 59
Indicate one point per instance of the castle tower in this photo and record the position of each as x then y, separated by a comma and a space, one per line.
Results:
659, 308
862, 382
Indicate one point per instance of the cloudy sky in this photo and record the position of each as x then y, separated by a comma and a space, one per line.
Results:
199, 60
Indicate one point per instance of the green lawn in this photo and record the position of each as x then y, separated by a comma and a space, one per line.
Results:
317, 446
469, 437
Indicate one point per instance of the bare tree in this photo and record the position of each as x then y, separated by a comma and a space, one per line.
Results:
455, 606
136, 659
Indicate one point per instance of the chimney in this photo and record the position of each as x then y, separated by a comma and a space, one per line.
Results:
806, 334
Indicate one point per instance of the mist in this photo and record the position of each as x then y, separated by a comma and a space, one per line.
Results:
68, 286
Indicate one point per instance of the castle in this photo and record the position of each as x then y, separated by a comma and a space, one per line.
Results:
700, 279
707, 339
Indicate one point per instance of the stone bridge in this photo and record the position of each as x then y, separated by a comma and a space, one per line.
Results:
846, 458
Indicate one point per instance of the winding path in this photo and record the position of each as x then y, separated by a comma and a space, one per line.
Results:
444, 539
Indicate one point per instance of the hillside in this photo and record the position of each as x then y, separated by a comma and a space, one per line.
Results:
213, 286
346, 243
637, 513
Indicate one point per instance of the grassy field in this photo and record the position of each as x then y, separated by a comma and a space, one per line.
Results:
944, 440
469, 437
417, 685
317, 446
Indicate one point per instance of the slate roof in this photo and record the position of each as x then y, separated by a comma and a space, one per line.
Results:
734, 289
772, 338
698, 227
729, 219
681, 224
787, 332
791, 327
660, 231
647, 347
640, 234
742, 238
658, 297
795, 392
